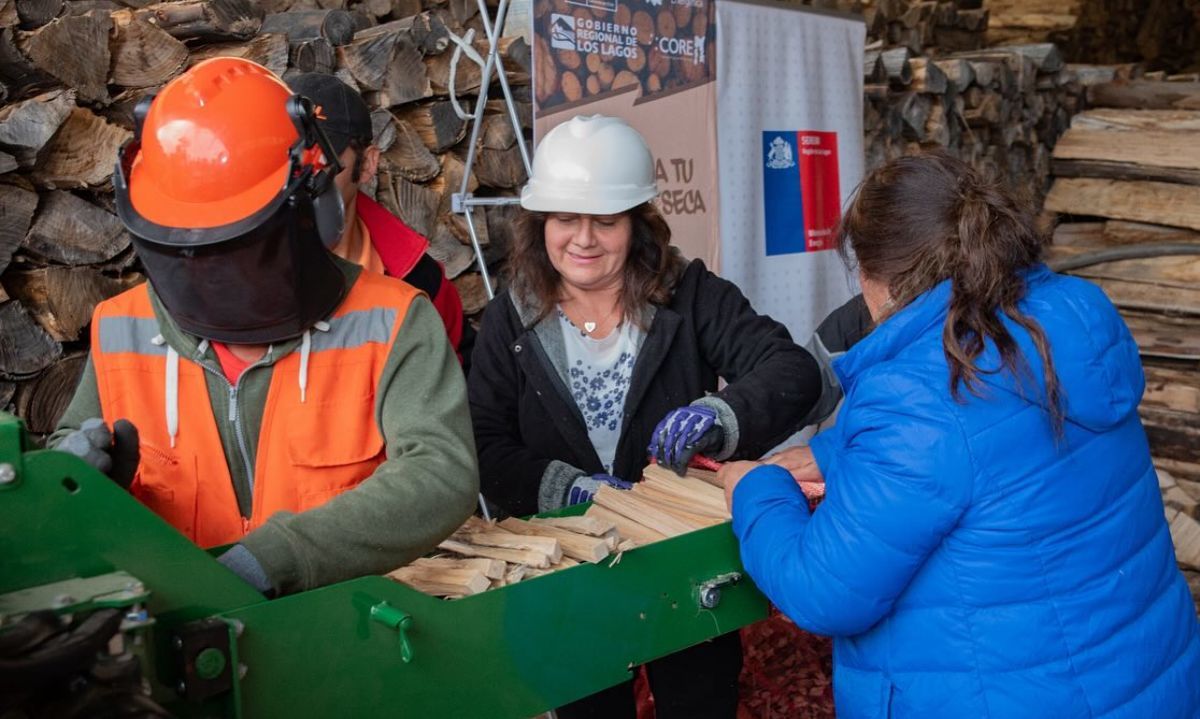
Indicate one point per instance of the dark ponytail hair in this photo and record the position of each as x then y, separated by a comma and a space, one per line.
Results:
922, 219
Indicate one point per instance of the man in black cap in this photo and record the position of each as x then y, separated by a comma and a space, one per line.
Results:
374, 237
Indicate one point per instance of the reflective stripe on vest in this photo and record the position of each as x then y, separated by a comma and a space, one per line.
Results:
310, 447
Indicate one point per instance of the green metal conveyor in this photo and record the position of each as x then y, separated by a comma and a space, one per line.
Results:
74, 543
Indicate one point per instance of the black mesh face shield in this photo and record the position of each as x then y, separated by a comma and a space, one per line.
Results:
265, 278
268, 285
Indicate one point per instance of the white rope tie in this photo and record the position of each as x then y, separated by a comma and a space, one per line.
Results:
305, 351
172, 391
463, 46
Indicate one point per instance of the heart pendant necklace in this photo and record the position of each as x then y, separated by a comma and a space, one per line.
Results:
590, 326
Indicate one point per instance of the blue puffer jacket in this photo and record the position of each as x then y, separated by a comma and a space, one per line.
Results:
969, 564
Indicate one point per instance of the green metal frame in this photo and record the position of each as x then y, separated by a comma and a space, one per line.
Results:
372, 647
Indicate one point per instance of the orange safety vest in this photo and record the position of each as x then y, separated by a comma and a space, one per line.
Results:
310, 448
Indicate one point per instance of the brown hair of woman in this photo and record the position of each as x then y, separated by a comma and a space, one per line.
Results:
922, 219
651, 270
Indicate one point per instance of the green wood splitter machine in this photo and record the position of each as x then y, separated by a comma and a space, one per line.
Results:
77, 554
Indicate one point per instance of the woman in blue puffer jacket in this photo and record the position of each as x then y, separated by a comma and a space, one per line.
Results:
992, 542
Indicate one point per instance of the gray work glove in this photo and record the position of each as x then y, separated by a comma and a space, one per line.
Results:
241, 562
114, 453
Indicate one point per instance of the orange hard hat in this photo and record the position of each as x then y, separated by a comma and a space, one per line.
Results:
229, 177
215, 146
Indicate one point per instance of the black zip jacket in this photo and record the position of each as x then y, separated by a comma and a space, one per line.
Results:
524, 416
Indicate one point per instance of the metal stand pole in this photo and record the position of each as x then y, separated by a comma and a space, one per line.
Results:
463, 202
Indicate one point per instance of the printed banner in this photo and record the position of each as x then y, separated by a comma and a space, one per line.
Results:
800, 190
652, 63
790, 146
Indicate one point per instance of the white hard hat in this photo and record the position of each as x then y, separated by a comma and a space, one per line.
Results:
591, 165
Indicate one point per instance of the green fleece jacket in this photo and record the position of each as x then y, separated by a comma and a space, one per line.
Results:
423, 491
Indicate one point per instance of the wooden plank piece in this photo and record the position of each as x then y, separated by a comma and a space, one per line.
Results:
646, 512
697, 504
591, 526
491, 568
1157, 148
519, 556
1146, 95
509, 540
1108, 118
442, 582
691, 491
1157, 202
575, 546
680, 506
628, 529
695, 481
1151, 297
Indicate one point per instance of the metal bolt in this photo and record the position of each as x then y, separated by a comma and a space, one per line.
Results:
8, 473
181, 687
239, 627
710, 597
242, 669
177, 643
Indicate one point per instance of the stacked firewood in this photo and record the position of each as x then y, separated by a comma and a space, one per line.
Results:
1181, 501
1127, 191
72, 72
931, 80
1161, 33
1000, 109
484, 555
947, 25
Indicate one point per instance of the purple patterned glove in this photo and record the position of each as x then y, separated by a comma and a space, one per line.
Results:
683, 433
583, 489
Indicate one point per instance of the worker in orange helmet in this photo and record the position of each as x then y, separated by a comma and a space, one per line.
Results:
258, 390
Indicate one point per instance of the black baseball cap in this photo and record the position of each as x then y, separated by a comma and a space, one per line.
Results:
340, 109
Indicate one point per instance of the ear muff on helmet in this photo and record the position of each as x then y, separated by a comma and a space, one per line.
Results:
327, 201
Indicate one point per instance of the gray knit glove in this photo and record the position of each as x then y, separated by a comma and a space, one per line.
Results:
115, 453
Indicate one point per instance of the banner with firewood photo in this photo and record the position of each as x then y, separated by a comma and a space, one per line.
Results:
790, 149
650, 62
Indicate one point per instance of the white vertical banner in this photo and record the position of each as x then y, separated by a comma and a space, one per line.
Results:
790, 153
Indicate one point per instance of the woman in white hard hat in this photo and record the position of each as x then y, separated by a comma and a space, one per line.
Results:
607, 347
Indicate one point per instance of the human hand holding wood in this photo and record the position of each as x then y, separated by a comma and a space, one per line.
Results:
730, 474
799, 461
